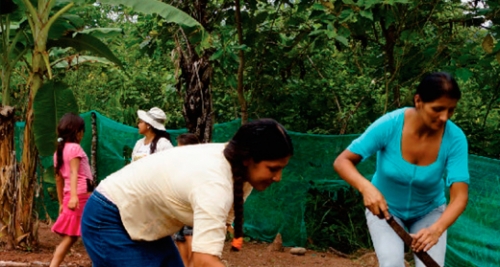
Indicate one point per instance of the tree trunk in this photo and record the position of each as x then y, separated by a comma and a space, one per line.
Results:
391, 35
26, 235
8, 175
25, 192
196, 76
241, 67
197, 107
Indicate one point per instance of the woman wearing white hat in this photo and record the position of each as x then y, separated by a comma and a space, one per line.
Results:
156, 138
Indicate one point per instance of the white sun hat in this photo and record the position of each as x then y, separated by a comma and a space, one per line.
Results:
154, 117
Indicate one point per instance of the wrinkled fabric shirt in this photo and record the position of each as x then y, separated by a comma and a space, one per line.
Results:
410, 190
186, 185
141, 150
71, 151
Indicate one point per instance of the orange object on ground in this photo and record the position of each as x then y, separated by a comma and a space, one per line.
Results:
237, 243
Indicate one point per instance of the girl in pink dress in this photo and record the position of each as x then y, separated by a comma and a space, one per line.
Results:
74, 182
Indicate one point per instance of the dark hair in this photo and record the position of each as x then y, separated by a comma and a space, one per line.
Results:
187, 139
158, 134
263, 139
68, 128
436, 85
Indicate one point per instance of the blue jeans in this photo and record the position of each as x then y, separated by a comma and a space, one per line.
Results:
108, 243
389, 247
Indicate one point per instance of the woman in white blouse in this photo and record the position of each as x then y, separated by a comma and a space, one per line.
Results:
131, 215
156, 138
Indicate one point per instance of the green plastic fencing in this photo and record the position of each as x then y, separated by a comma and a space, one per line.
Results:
472, 240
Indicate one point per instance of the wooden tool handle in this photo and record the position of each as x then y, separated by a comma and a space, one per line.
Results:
422, 255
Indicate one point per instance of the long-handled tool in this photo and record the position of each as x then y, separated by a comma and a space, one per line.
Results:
422, 255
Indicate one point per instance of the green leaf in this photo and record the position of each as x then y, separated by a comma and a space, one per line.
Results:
330, 31
342, 39
240, 47
345, 15
85, 42
344, 31
47, 161
103, 32
235, 57
370, 3
232, 81
463, 74
60, 28
49, 174
367, 14
318, 6
78, 60
316, 32
168, 12
217, 55
75, 20
52, 101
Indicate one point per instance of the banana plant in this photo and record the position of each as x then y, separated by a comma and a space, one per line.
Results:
50, 25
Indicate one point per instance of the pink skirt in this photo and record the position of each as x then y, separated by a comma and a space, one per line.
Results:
68, 222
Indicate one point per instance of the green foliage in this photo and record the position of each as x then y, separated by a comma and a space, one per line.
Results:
84, 42
335, 218
52, 101
324, 67
49, 177
104, 32
168, 12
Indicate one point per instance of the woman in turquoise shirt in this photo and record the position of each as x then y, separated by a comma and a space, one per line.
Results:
416, 147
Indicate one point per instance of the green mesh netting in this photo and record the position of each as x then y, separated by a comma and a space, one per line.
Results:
472, 240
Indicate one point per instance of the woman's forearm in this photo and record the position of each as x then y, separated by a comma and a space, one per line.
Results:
206, 260
458, 201
347, 171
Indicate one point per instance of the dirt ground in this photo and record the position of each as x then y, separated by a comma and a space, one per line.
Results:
253, 254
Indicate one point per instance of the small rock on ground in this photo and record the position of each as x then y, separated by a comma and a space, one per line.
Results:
298, 251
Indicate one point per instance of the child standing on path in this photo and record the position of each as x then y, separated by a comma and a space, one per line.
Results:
73, 181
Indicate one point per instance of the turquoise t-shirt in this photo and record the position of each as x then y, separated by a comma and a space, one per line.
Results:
410, 190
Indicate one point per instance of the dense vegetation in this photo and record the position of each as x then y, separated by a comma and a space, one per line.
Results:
323, 67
